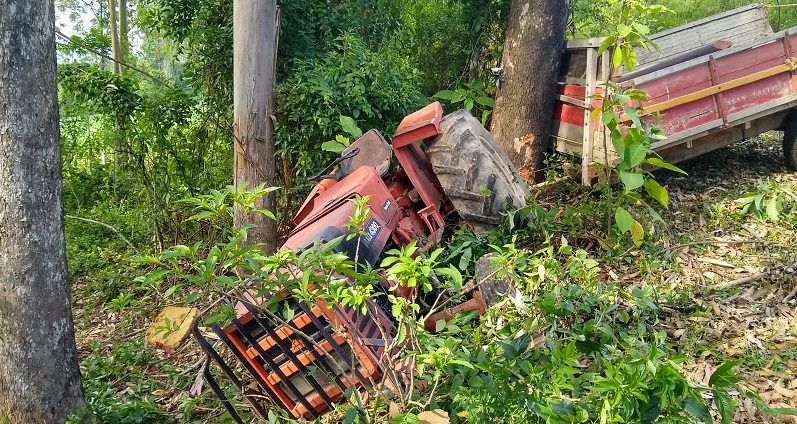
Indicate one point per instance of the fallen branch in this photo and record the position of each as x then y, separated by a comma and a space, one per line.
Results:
754, 278
91, 221
707, 242
740, 281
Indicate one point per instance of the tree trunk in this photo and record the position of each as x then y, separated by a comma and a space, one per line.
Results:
115, 46
124, 39
535, 36
255, 30
118, 45
39, 374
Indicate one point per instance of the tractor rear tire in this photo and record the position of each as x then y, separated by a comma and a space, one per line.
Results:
790, 141
476, 175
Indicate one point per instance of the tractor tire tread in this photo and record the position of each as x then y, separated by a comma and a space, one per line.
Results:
476, 175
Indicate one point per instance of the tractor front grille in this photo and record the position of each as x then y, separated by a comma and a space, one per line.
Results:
305, 364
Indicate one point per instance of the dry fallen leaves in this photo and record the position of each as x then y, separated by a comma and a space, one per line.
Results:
437, 416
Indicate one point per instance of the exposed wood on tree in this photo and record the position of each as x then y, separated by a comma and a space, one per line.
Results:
533, 48
255, 33
39, 374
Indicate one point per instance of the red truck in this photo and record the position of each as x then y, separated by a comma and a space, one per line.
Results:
715, 82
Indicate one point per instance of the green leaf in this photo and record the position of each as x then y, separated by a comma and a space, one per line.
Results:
468, 104
623, 219
453, 274
485, 116
170, 291
608, 42
287, 312
439, 325
332, 146
156, 276
635, 154
451, 96
633, 115
618, 142
698, 409
662, 164
475, 381
202, 215
606, 117
617, 57
772, 209
485, 101
629, 57
655, 215
766, 409
641, 29
351, 415
637, 233
724, 375
624, 30
725, 405
656, 191
465, 364
475, 85
192, 297
631, 180
351, 128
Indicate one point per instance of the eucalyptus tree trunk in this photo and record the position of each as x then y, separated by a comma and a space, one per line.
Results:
124, 38
255, 30
535, 37
39, 374
116, 47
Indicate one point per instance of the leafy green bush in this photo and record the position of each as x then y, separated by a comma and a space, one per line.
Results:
560, 347
351, 80
565, 349
104, 400
473, 97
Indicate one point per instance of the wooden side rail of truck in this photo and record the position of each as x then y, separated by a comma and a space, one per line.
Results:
744, 86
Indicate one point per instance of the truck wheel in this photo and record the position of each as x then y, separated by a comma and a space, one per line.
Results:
790, 141
474, 172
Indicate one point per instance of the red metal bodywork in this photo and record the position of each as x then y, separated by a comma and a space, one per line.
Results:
409, 205
709, 114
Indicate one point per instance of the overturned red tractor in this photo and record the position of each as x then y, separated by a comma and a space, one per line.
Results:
447, 167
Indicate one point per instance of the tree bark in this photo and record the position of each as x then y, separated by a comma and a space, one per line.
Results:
115, 45
535, 36
119, 43
255, 27
124, 39
39, 374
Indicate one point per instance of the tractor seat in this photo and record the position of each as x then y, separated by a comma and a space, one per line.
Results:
374, 152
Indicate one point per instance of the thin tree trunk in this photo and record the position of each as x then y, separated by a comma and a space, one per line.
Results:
535, 36
115, 46
39, 374
121, 153
255, 31
124, 29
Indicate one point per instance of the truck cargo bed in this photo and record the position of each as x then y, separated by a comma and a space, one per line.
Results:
704, 103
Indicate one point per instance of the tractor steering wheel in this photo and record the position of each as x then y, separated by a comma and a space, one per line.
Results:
336, 175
